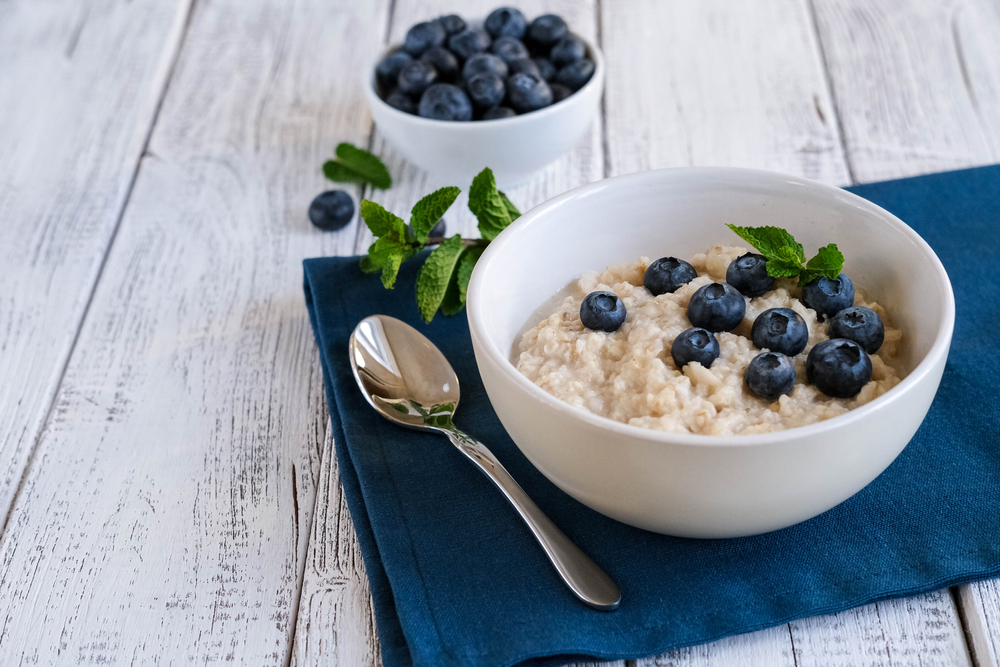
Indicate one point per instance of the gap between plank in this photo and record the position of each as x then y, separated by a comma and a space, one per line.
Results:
828, 83
171, 55
970, 643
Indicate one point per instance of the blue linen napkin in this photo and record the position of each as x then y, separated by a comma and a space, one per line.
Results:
458, 580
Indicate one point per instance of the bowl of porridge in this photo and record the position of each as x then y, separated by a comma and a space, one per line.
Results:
687, 448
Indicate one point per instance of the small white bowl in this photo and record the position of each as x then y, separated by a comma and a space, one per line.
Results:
697, 485
514, 148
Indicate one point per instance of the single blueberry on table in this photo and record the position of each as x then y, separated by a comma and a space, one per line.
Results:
397, 99
509, 48
780, 330
769, 375
331, 210
716, 307
443, 61
667, 274
545, 68
482, 63
452, 23
839, 367
506, 22
443, 101
486, 90
860, 324
496, 113
547, 29
526, 65
828, 297
528, 92
416, 77
602, 311
568, 49
468, 43
559, 92
576, 74
748, 274
387, 70
423, 36
695, 344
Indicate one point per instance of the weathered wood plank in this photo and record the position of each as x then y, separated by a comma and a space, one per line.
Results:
916, 83
79, 86
167, 512
981, 615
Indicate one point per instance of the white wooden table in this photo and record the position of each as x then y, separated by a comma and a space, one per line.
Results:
168, 493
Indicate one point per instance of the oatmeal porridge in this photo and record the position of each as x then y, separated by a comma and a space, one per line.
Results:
629, 374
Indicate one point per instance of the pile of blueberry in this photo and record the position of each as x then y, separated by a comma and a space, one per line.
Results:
446, 70
838, 367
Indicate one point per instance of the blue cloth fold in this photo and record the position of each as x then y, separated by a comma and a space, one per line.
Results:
458, 580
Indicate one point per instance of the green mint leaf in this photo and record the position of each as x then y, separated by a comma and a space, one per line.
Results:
387, 254
453, 303
828, 262
356, 165
428, 211
381, 222
464, 272
784, 263
435, 274
511, 209
770, 240
368, 266
486, 204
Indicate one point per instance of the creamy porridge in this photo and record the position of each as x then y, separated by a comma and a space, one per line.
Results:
629, 375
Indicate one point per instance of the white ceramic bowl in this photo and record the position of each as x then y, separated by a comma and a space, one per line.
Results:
698, 485
514, 148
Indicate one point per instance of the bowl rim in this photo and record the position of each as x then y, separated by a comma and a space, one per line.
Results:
596, 81
474, 306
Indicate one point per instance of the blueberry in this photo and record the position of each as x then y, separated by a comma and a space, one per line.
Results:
839, 367
416, 77
568, 49
526, 65
443, 101
387, 70
440, 229
486, 90
667, 274
397, 99
695, 345
528, 92
748, 274
780, 330
602, 311
423, 36
506, 22
547, 29
497, 113
717, 307
828, 297
509, 48
559, 92
443, 61
331, 210
769, 375
468, 43
482, 63
452, 23
545, 68
860, 324
576, 74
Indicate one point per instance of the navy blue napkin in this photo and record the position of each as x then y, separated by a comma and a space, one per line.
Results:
458, 580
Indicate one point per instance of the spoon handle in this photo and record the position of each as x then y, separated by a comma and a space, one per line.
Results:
587, 581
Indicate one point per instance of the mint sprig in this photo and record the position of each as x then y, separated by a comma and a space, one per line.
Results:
443, 280
356, 165
786, 257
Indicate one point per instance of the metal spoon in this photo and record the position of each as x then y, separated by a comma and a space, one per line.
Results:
410, 382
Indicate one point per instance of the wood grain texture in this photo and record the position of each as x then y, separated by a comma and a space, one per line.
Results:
166, 516
79, 87
981, 606
916, 83
717, 83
